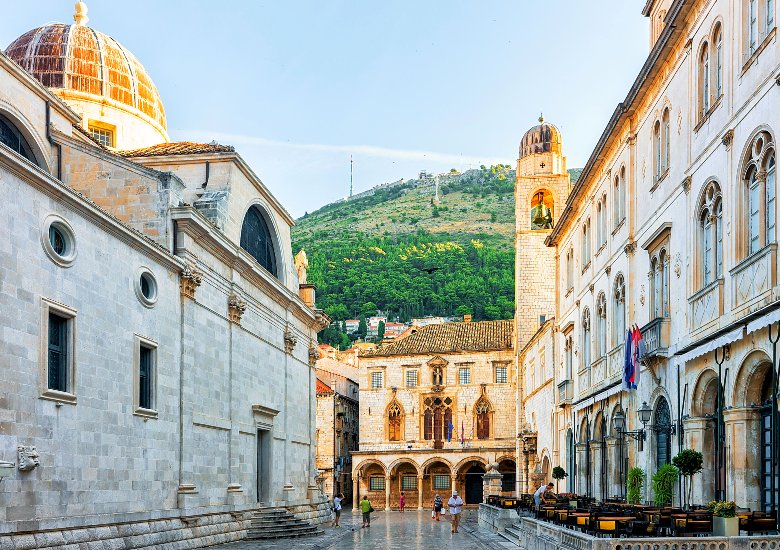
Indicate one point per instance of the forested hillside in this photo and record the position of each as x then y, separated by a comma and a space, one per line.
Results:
396, 250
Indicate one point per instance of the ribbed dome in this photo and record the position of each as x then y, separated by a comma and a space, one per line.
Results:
542, 138
79, 59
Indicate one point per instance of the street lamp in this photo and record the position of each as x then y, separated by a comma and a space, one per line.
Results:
619, 423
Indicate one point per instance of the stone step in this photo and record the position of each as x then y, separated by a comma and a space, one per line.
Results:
278, 523
259, 535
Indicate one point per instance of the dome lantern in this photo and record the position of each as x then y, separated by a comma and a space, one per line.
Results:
80, 17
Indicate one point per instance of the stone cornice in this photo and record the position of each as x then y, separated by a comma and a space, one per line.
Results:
51, 186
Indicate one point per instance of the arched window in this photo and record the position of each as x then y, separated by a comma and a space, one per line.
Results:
601, 337
599, 230
586, 243
428, 424
437, 418
482, 412
619, 319
586, 342
662, 426
570, 269
256, 238
667, 138
718, 41
657, 150
760, 193
395, 419
704, 80
601, 210
542, 210
711, 233
12, 138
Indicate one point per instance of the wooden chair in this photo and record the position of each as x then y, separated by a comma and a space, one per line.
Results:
758, 522
606, 527
693, 524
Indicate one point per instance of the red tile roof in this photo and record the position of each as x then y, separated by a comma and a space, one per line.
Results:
450, 338
177, 148
322, 387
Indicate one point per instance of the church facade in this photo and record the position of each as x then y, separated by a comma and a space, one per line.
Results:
670, 230
157, 375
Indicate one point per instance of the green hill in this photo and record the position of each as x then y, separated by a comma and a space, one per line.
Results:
392, 248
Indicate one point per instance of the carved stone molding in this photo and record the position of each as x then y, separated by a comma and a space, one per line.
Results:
314, 353
727, 138
686, 185
577, 303
236, 308
591, 287
630, 247
608, 270
189, 281
289, 340
28, 458
322, 320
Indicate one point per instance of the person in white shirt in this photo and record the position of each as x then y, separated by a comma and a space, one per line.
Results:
539, 494
455, 503
337, 509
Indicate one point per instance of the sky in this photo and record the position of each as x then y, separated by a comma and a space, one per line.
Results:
401, 86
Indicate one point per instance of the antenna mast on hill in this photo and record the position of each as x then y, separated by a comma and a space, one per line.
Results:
350, 176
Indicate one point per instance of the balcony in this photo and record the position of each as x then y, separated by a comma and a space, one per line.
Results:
583, 377
615, 360
706, 305
656, 336
565, 392
598, 371
753, 279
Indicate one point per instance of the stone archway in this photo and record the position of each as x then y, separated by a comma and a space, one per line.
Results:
700, 433
405, 477
472, 484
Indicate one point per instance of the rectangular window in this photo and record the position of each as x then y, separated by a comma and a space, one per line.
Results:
145, 377
408, 483
411, 379
753, 25
377, 380
376, 483
502, 375
103, 136
58, 353
441, 481
146, 365
464, 375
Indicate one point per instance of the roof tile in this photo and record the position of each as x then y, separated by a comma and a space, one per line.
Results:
177, 148
451, 338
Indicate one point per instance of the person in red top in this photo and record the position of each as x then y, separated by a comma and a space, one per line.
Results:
402, 502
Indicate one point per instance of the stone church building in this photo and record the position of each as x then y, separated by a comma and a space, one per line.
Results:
671, 230
157, 367
437, 406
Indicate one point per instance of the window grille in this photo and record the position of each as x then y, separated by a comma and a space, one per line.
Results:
103, 136
441, 481
58, 353
409, 483
376, 483
377, 380
501, 375
411, 378
464, 375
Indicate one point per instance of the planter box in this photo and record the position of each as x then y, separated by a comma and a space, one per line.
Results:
725, 527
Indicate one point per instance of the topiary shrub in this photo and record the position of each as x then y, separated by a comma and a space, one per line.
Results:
663, 484
635, 481
689, 463
558, 473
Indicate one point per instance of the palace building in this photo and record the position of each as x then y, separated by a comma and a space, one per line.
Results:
157, 370
437, 406
671, 229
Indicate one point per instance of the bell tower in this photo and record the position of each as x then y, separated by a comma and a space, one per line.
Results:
541, 188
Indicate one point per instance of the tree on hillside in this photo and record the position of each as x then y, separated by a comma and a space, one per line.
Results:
368, 309
380, 331
362, 328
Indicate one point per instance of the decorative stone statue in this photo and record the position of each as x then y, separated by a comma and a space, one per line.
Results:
28, 458
301, 265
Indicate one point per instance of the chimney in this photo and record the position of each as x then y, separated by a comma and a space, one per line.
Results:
467, 318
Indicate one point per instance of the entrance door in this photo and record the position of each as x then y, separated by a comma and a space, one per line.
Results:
473, 485
263, 465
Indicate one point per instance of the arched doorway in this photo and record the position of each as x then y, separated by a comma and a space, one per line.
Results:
662, 426
508, 470
473, 484
570, 462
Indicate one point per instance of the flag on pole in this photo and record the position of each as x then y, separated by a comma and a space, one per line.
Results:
449, 431
462, 434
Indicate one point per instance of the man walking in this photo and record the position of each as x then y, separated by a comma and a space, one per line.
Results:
365, 507
456, 504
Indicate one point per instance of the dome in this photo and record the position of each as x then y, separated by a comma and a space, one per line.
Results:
77, 61
542, 138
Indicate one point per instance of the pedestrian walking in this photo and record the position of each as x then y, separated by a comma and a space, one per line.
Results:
337, 509
437, 506
366, 508
402, 502
456, 504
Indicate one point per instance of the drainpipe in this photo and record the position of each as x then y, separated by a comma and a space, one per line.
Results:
208, 174
52, 142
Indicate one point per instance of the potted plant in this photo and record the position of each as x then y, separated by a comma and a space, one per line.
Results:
558, 473
635, 481
725, 522
664, 480
689, 463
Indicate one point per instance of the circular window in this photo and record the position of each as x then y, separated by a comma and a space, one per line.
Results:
146, 287
58, 240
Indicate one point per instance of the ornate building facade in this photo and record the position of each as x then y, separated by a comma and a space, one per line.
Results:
436, 407
157, 356
671, 229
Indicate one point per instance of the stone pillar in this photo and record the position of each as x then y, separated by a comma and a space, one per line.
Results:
491, 481
307, 294
419, 492
743, 466
453, 484
699, 436
387, 493
356, 477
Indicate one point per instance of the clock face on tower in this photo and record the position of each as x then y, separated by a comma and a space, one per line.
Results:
542, 210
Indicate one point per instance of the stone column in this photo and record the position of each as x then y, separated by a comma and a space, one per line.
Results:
699, 435
419, 492
743, 466
491, 481
453, 483
387, 493
187, 493
356, 477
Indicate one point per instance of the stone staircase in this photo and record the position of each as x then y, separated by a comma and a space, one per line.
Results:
511, 533
278, 523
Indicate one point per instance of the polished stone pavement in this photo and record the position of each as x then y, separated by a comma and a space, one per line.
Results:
411, 530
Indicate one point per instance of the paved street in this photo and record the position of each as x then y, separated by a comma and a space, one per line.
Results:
410, 530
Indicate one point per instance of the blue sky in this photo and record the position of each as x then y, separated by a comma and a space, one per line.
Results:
296, 86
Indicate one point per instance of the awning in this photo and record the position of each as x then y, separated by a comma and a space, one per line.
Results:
603, 394
763, 321
707, 347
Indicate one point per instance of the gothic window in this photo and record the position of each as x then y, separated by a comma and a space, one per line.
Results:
657, 151
585, 243
704, 80
667, 138
619, 319
760, 193
395, 417
711, 233
718, 41
662, 426
617, 215
256, 238
601, 221
542, 210
13, 139
586, 342
482, 411
437, 418
601, 337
